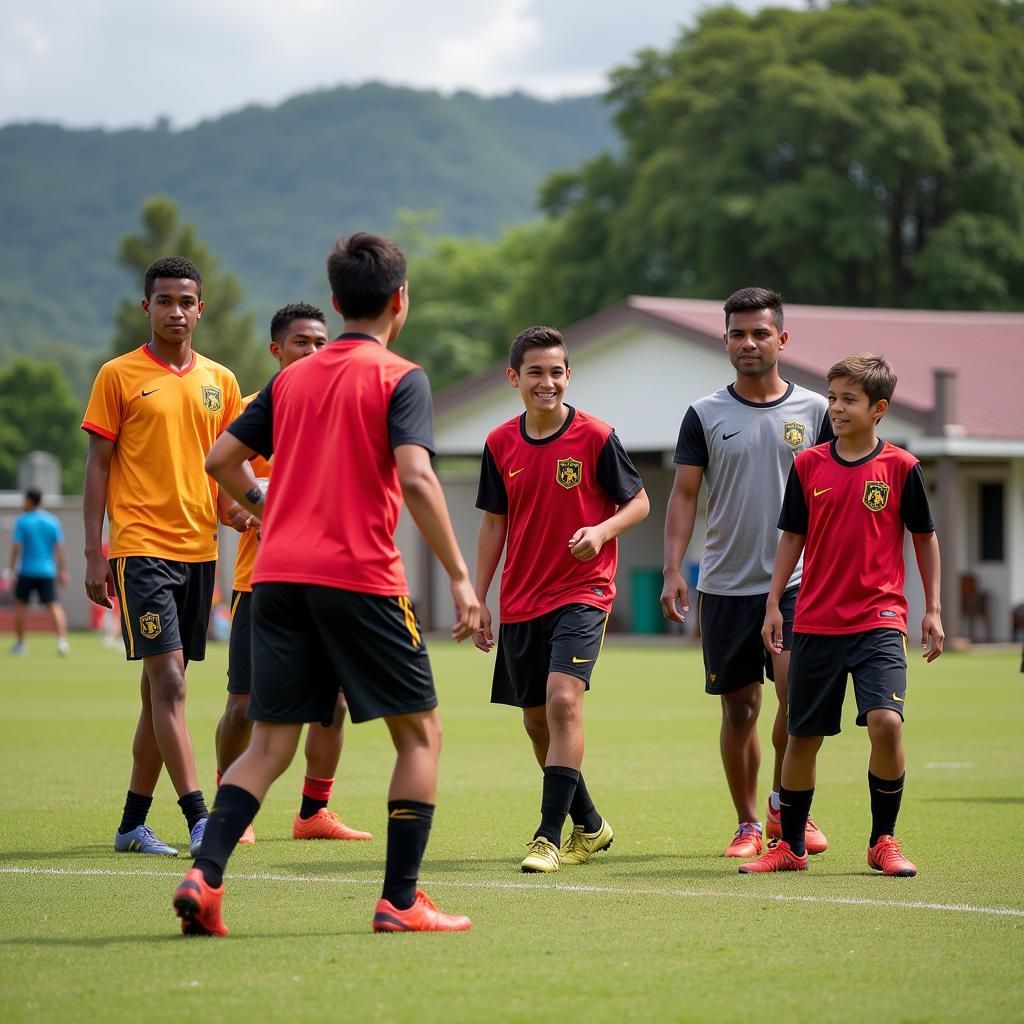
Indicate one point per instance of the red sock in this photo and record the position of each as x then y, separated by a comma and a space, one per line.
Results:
220, 774
315, 794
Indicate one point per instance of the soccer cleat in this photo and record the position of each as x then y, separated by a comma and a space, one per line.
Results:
63, 649
422, 916
747, 841
887, 857
814, 838
195, 839
198, 906
772, 823
19, 649
142, 840
581, 846
778, 857
543, 856
248, 837
325, 824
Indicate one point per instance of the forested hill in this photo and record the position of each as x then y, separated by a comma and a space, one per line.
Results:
268, 188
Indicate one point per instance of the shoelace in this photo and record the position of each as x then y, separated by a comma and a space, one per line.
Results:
890, 851
575, 839
145, 832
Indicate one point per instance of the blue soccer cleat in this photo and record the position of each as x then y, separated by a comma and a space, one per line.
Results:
142, 840
196, 836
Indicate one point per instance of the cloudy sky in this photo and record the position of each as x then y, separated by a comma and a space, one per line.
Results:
117, 63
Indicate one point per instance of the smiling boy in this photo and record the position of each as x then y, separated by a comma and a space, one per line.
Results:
556, 489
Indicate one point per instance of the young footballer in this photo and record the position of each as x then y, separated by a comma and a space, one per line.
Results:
846, 506
556, 489
740, 442
152, 418
351, 433
296, 331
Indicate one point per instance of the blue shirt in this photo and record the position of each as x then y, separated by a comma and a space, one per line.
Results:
38, 532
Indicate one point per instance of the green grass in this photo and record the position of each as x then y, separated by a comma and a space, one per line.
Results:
660, 927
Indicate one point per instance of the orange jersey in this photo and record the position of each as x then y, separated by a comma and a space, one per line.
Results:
160, 501
248, 543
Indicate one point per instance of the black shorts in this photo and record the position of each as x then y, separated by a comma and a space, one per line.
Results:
309, 641
566, 640
44, 586
165, 605
240, 643
730, 637
877, 660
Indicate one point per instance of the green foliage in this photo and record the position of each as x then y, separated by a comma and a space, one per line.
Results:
865, 152
38, 412
225, 334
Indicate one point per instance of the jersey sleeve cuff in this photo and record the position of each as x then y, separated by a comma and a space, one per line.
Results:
94, 428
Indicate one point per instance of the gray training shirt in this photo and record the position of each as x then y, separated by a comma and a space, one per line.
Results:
746, 450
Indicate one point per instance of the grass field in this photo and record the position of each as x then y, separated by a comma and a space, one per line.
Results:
660, 927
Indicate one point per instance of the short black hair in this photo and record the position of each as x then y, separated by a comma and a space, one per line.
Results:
364, 271
753, 299
175, 267
873, 373
539, 336
34, 495
283, 318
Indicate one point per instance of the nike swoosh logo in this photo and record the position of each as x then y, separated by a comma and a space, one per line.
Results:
146, 394
580, 661
725, 437
894, 697
515, 472
817, 493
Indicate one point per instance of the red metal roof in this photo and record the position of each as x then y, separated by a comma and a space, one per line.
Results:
986, 350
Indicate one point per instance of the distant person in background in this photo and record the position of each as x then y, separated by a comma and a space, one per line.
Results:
40, 561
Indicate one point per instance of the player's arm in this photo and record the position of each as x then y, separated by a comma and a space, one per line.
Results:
98, 579
232, 514
791, 546
489, 545
61, 553
680, 516
926, 549
8, 573
228, 464
586, 543
425, 500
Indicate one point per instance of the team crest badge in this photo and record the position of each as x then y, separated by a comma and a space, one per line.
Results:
793, 433
212, 398
876, 495
149, 625
569, 473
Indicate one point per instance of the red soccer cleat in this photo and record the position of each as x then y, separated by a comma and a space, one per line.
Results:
325, 824
422, 916
887, 857
814, 838
778, 857
198, 906
746, 843
248, 837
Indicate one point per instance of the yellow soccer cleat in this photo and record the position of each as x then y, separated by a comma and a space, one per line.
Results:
543, 856
581, 846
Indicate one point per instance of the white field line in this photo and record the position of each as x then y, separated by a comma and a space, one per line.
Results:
600, 890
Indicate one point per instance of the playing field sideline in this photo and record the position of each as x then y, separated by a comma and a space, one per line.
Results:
660, 927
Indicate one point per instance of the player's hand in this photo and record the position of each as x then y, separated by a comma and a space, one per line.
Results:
771, 631
99, 582
5, 580
467, 610
64, 578
932, 636
483, 638
675, 598
586, 543
238, 518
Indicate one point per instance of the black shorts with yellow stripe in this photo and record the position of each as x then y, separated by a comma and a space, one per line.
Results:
566, 640
309, 641
240, 643
165, 605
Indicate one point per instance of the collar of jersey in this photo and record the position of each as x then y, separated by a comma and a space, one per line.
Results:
761, 405
356, 336
858, 462
170, 369
546, 440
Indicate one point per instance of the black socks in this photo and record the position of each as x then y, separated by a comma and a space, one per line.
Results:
233, 809
193, 806
559, 787
794, 811
582, 810
886, 795
136, 807
409, 824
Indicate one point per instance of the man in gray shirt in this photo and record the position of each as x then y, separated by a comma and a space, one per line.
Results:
741, 441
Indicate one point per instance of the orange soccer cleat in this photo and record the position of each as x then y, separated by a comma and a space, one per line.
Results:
422, 916
198, 906
778, 857
887, 857
746, 843
325, 824
248, 837
813, 836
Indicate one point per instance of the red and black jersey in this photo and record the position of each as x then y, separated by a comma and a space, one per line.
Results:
550, 488
331, 423
853, 515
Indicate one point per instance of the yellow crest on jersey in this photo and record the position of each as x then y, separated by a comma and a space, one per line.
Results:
569, 472
149, 625
876, 495
793, 433
212, 398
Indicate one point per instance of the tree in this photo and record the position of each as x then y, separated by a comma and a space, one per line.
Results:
38, 412
225, 334
863, 152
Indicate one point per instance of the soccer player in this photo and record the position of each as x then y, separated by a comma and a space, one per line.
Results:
38, 561
556, 489
296, 331
740, 441
846, 506
153, 415
351, 433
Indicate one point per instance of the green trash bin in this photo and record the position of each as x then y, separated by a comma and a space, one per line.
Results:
647, 617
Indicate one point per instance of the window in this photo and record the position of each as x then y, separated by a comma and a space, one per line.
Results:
990, 518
